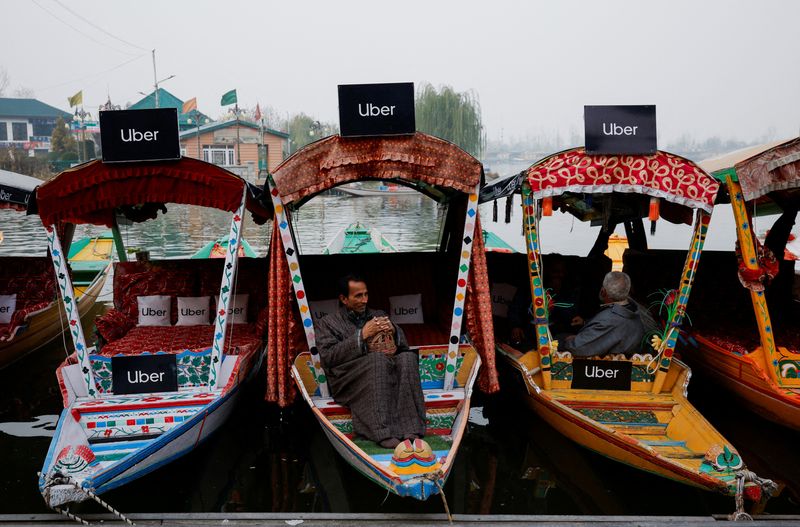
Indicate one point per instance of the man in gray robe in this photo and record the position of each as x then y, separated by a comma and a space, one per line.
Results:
618, 328
382, 389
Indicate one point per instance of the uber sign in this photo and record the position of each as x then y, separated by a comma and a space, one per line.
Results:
140, 135
601, 374
376, 109
620, 129
144, 373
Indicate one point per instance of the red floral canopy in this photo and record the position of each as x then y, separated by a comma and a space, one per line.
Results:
90, 193
660, 175
414, 158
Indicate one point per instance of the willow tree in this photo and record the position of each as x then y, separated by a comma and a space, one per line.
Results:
451, 115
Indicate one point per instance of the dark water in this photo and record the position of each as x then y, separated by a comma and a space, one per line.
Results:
267, 460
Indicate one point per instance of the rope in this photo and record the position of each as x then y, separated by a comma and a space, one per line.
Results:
767, 486
435, 476
60, 479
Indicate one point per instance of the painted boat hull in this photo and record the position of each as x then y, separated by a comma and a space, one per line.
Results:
743, 376
606, 441
49, 324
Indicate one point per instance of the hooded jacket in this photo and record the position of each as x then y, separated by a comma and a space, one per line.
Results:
615, 329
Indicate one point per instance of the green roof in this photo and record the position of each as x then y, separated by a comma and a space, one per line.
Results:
167, 100
30, 108
210, 127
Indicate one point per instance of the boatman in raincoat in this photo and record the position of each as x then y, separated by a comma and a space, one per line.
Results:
370, 368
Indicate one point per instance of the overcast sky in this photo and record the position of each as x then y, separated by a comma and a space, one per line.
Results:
727, 68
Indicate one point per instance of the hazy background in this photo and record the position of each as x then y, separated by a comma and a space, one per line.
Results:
714, 68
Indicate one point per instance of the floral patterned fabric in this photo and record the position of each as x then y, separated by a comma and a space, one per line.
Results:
336, 160
32, 280
661, 175
776, 169
175, 339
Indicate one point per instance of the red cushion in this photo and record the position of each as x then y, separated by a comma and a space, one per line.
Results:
424, 334
175, 339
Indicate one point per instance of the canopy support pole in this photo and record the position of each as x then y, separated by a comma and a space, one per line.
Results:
530, 224
461, 289
118, 245
226, 292
744, 233
682, 298
61, 268
297, 283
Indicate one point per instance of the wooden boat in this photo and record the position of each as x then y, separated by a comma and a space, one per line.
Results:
218, 249
449, 363
650, 425
110, 431
757, 362
495, 243
382, 190
38, 318
359, 239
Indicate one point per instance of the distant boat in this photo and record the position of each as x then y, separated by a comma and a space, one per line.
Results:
380, 190
219, 248
494, 243
359, 239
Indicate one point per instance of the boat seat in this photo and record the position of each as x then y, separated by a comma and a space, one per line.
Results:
136, 417
33, 281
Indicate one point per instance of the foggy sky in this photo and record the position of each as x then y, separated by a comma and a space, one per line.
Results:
726, 68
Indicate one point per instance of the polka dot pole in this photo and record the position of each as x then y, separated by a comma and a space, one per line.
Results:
226, 292
538, 295
687, 278
59, 260
299, 289
461, 289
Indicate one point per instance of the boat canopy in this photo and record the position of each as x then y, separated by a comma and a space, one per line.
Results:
92, 192
16, 189
661, 175
431, 165
768, 172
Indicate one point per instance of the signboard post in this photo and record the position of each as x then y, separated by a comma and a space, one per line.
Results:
144, 374
601, 374
376, 109
140, 135
620, 129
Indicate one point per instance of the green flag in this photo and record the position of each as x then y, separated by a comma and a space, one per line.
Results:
228, 98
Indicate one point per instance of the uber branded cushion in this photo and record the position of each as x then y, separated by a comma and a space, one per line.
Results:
193, 310
154, 310
8, 304
320, 308
406, 309
237, 309
502, 295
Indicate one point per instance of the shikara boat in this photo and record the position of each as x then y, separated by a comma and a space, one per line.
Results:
381, 190
648, 423
116, 428
449, 359
219, 248
359, 239
36, 320
752, 356
495, 243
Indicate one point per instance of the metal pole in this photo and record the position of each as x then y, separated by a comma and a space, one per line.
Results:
238, 155
155, 78
197, 122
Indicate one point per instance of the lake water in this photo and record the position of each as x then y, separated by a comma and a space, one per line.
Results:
268, 460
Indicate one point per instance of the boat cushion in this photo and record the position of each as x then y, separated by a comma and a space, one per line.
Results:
194, 310
154, 310
320, 308
174, 339
406, 309
33, 281
8, 304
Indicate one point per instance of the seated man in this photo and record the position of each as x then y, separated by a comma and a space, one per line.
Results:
381, 388
617, 328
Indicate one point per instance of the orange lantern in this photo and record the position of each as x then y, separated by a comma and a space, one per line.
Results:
547, 206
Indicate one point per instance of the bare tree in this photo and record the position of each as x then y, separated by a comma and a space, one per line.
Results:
23, 92
5, 80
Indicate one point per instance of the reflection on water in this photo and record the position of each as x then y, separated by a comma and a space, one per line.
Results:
266, 460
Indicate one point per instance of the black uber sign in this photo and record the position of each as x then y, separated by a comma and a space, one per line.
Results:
144, 374
620, 129
376, 109
140, 135
601, 374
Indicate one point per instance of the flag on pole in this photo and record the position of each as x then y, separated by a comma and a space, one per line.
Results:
258, 112
228, 98
189, 105
76, 99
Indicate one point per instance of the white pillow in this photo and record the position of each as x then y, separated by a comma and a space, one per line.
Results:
406, 309
320, 308
237, 309
193, 311
8, 304
154, 310
502, 295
